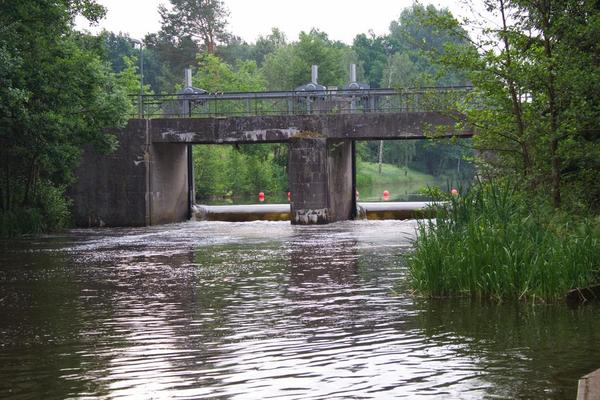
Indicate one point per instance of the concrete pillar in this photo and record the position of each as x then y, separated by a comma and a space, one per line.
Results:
141, 183
320, 176
168, 190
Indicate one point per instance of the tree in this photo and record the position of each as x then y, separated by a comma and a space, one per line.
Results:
290, 65
269, 44
373, 56
57, 95
537, 78
203, 21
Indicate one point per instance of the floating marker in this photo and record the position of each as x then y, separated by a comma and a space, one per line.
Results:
386, 195
261, 197
454, 192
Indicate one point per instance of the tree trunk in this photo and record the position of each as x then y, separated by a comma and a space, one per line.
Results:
555, 173
380, 155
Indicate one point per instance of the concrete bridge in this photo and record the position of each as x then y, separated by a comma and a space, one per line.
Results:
149, 179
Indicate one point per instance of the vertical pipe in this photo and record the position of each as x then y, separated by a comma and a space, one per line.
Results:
141, 79
188, 77
314, 74
352, 73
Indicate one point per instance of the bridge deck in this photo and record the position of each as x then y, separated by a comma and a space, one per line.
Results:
257, 129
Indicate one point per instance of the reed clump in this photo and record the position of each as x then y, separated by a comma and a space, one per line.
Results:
493, 242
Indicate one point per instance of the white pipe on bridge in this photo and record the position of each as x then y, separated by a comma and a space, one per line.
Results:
314, 74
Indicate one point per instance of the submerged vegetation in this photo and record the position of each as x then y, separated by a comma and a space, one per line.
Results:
494, 242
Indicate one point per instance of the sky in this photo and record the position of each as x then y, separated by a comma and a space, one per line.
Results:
340, 19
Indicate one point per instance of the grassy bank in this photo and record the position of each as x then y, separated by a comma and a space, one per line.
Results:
368, 174
491, 243
396, 180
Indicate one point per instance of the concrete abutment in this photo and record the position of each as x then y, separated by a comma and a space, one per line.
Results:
141, 183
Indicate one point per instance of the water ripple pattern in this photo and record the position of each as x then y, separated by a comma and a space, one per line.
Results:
265, 310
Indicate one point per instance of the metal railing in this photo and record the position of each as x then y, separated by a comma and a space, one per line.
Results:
300, 103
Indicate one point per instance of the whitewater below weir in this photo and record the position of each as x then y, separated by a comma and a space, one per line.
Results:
260, 310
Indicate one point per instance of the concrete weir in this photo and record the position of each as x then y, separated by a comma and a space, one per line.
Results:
281, 212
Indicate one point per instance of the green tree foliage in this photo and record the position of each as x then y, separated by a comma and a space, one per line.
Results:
290, 66
373, 55
57, 95
216, 76
203, 21
172, 57
536, 104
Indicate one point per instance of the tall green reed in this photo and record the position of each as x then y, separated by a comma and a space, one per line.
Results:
493, 242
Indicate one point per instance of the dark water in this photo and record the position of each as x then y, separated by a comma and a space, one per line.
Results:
265, 310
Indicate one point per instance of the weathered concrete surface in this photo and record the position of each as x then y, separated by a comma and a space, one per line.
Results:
368, 126
139, 184
320, 180
111, 189
589, 386
307, 181
168, 183
340, 178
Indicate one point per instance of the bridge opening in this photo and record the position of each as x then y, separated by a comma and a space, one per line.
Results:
407, 169
236, 174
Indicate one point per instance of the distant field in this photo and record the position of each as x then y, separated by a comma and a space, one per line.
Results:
402, 184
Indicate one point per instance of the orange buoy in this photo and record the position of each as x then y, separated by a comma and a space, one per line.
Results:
261, 197
386, 195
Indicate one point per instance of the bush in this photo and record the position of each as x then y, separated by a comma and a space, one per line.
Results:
51, 213
492, 243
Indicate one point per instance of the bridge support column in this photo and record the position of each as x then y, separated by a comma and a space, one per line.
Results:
321, 180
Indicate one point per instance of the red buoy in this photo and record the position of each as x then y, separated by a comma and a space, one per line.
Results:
261, 197
386, 195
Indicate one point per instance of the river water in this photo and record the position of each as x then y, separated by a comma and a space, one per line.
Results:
266, 310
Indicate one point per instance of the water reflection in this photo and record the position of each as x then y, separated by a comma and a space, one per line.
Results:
261, 310
520, 351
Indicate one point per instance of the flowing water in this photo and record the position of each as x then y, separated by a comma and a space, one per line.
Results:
266, 310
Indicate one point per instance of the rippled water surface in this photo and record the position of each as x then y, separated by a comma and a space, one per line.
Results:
265, 310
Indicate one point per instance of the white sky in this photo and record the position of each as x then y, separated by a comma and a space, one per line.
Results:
341, 19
